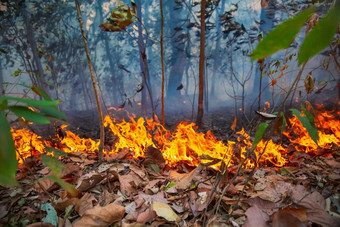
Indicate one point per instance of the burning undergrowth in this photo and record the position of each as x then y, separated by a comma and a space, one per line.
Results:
184, 144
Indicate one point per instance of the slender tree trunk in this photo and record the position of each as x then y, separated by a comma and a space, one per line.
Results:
100, 113
144, 63
201, 67
162, 59
36, 58
109, 56
2, 90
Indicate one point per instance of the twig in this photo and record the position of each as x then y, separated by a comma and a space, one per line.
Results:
29, 170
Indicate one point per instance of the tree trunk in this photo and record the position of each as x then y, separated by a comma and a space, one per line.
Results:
104, 35
178, 57
201, 67
36, 58
144, 63
260, 82
162, 59
2, 90
100, 113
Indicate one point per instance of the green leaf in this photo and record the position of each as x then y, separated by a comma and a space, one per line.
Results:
312, 131
282, 36
8, 161
68, 210
308, 115
16, 73
29, 115
287, 172
31, 102
53, 163
170, 185
68, 187
52, 216
321, 35
41, 92
21, 202
52, 111
155, 168
3, 51
258, 135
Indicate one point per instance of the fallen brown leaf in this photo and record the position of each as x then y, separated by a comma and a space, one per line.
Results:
129, 183
255, 218
165, 211
88, 181
85, 203
290, 217
314, 204
148, 215
101, 216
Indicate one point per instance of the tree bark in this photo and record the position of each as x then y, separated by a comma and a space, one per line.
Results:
162, 58
2, 90
201, 67
36, 58
100, 113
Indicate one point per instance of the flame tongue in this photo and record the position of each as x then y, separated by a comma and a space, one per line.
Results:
184, 144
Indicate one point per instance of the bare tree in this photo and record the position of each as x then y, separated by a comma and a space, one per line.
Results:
100, 113
162, 58
201, 67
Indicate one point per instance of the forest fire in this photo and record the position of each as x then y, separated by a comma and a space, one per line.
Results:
185, 144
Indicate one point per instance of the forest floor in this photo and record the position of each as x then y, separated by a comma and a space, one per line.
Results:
146, 192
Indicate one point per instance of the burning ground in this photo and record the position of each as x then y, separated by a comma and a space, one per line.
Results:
154, 176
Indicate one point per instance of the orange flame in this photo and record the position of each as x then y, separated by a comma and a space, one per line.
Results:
185, 144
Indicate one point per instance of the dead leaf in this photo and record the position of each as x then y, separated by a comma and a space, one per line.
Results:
309, 84
138, 171
159, 197
186, 181
314, 204
154, 156
62, 204
165, 211
255, 217
264, 4
129, 183
88, 181
148, 215
101, 216
290, 217
85, 203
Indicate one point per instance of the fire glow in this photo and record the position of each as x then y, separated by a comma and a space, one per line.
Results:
185, 144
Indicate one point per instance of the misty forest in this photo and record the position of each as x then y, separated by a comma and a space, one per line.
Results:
169, 112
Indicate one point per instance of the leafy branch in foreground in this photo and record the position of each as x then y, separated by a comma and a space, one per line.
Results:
35, 111
316, 40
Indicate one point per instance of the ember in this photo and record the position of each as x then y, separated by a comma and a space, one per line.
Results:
185, 144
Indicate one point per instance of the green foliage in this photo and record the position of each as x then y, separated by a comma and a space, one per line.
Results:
48, 109
121, 17
170, 185
317, 39
321, 35
52, 216
3, 51
29, 115
8, 162
307, 123
56, 167
282, 36
66, 186
258, 135
53, 164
